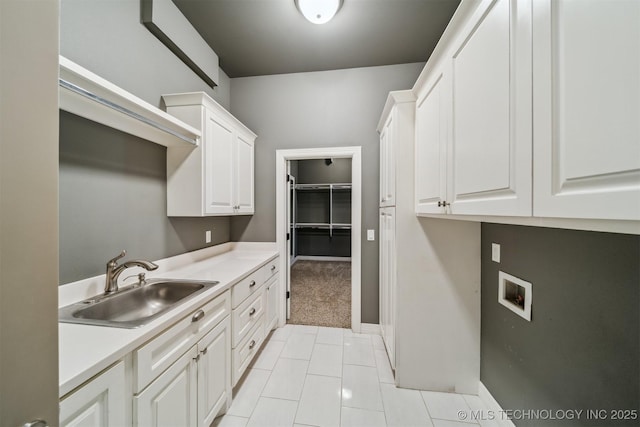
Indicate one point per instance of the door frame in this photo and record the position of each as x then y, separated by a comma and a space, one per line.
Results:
353, 153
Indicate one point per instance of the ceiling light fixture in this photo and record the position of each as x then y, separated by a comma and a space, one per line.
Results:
318, 11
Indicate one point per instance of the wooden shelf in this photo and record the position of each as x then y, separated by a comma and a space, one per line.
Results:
90, 96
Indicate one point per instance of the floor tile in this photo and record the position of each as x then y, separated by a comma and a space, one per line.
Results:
447, 423
404, 407
480, 412
378, 343
320, 402
248, 393
273, 413
268, 356
353, 417
329, 336
360, 388
444, 406
385, 374
230, 421
304, 329
286, 380
298, 346
358, 351
281, 334
326, 359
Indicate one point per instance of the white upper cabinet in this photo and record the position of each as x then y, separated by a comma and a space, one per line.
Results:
432, 142
586, 118
217, 177
490, 145
473, 117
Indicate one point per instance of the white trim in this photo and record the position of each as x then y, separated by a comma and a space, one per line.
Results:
524, 312
321, 258
354, 153
492, 405
370, 328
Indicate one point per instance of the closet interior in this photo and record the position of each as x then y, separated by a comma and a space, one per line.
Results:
320, 230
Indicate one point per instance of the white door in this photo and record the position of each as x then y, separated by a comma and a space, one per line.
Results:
291, 232
387, 280
99, 403
490, 164
387, 163
214, 373
218, 158
244, 175
431, 145
170, 400
586, 57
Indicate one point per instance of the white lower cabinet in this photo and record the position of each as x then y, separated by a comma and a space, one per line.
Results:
194, 389
99, 403
271, 314
388, 280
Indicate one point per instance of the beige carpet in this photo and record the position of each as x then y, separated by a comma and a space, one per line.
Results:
321, 293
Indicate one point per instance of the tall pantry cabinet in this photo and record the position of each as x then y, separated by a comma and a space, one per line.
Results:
429, 272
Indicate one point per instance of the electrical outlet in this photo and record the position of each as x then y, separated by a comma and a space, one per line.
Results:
495, 252
207, 236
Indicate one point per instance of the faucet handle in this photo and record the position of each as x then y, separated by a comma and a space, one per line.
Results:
112, 262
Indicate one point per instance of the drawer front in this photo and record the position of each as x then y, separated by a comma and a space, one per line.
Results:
270, 269
248, 348
157, 355
246, 287
246, 315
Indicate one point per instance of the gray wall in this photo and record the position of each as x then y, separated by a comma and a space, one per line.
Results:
113, 185
113, 196
107, 38
582, 347
317, 171
311, 110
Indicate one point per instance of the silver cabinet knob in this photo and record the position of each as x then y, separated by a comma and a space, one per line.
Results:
252, 283
252, 312
36, 423
252, 344
198, 316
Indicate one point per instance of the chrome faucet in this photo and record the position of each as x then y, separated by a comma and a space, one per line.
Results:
114, 270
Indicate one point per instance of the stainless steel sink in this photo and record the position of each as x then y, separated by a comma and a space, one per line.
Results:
133, 306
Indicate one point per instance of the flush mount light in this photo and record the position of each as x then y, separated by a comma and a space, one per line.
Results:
318, 11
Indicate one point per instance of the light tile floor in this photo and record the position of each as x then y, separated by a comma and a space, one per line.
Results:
316, 376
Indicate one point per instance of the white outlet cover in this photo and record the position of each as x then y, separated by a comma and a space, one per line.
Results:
371, 235
207, 236
495, 252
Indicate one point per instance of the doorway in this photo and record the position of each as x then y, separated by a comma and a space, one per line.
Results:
290, 249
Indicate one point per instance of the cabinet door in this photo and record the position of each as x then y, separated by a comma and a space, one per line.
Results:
387, 163
218, 157
214, 373
244, 175
171, 399
586, 57
101, 402
431, 145
490, 160
387, 280
273, 290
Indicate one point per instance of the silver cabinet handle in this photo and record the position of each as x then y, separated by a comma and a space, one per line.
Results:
204, 351
273, 267
36, 423
199, 315
252, 312
252, 283
252, 344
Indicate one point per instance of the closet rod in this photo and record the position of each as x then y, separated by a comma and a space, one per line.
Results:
80, 91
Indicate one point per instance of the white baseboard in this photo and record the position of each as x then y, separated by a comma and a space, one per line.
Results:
492, 405
322, 258
370, 328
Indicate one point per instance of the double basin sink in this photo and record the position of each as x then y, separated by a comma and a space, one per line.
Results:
133, 306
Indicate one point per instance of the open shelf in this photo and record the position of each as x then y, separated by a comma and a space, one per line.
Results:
88, 95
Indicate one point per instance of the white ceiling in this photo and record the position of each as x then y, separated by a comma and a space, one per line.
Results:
261, 37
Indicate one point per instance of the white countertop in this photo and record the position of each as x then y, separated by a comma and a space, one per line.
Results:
84, 350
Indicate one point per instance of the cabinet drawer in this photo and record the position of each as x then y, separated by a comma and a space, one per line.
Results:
246, 315
270, 269
244, 353
246, 287
153, 358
